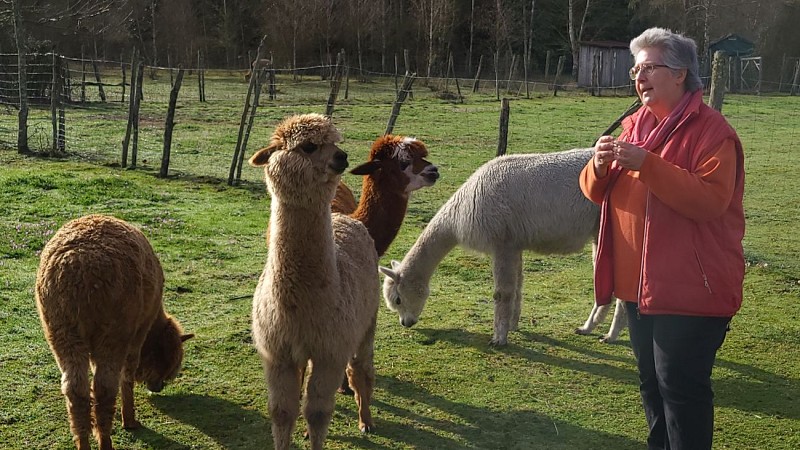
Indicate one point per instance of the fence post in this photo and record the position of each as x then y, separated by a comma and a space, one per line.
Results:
238, 152
336, 82
718, 77
55, 105
100, 89
131, 105
22, 71
138, 97
559, 68
796, 78
170, 123
408, 80
502, 140
477, 75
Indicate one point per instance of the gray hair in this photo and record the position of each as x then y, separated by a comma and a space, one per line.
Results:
678, 51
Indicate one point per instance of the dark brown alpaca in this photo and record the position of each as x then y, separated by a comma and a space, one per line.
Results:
396, 167
98, 292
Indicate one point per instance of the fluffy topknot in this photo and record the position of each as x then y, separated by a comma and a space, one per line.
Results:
295, 130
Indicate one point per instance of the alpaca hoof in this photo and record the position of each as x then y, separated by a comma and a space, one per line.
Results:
366, 428
498, 342
131, 424
345, 390
583, 331
608, 339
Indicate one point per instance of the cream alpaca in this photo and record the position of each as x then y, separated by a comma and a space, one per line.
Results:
317, 299
510, 204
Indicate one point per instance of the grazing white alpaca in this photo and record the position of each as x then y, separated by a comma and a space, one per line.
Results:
317, 298
510, 204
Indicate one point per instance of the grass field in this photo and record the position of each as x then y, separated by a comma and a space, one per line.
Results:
439, 385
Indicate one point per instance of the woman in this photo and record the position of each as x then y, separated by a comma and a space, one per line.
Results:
670, 189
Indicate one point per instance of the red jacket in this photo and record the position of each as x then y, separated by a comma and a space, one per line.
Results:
689, 266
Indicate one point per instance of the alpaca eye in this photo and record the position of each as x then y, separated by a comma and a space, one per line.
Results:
404, 165
397, 301
308, 147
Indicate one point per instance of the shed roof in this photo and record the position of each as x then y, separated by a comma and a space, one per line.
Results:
732, 44
606, 44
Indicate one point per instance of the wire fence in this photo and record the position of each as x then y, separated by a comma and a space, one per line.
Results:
95, 97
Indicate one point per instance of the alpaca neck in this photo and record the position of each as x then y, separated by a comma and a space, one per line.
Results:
301, 237
382, 211
435, 242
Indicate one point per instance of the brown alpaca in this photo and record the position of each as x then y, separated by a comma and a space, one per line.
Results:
98, 292
396, 167
317, 300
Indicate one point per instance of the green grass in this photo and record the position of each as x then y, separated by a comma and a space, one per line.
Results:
439, 384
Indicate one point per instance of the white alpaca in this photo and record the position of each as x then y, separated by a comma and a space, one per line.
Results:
510, 204
317, 299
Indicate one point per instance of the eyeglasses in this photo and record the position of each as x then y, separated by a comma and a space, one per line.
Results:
648, 69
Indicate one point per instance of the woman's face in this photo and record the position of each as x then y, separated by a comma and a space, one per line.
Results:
660, 88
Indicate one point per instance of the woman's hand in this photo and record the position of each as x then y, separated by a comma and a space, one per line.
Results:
603, 155
628, 155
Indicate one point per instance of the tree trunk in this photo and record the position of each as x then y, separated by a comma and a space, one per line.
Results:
22, 66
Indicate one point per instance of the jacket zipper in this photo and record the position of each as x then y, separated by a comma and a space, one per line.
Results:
702, 272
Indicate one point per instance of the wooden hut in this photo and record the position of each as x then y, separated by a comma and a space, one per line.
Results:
604, 64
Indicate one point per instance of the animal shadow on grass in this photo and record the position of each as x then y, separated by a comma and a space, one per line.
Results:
227, 423
471, 426
463, 338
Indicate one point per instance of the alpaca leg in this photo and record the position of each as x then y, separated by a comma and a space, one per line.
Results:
617, 324
361, 374
105, 386
598, 313
74, 367
128, 380
505, 293
517, 298
284, 380
320, 399
596, 317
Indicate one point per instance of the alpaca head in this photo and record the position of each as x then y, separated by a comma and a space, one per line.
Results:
399, 162
161, 355
302, 164
404, 296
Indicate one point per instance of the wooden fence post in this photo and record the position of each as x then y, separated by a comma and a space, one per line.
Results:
238, 152
131, 105
477, 75
138, 97
502, 140
408, 80
796, 79
170, 123
559, 68
718, 77
336, 82
100, 89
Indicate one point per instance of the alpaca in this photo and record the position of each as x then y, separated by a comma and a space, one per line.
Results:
317, 299
510, 204
396, 167
99, 296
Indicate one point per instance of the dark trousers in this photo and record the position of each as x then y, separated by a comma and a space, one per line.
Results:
675, 355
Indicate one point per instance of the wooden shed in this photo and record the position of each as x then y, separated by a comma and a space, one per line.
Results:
607, 62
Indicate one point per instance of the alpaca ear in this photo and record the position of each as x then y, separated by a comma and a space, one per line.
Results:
186, 337
395, 265
367, 168
389, 273
261, 157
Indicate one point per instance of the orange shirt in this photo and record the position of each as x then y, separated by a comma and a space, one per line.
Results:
701, 195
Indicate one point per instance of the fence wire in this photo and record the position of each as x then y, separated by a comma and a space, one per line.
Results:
95, 98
